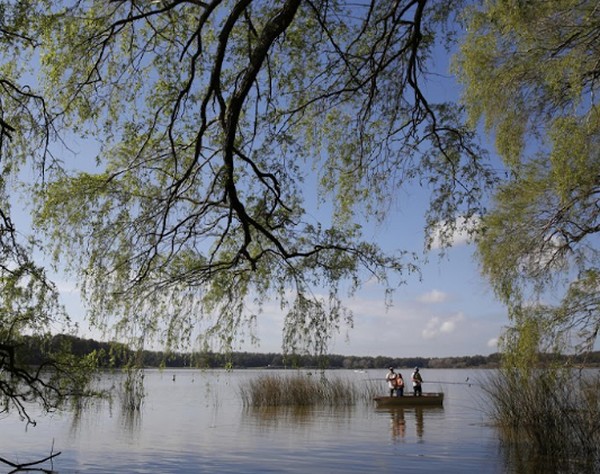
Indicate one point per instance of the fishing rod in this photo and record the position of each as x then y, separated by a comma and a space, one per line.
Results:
466, 382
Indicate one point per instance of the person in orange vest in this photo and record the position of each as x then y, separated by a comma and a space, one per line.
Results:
395, 383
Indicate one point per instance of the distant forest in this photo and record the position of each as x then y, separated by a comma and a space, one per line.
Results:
114, 355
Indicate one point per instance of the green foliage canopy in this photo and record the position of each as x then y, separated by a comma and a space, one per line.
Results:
29, 306
214, 119
531, 73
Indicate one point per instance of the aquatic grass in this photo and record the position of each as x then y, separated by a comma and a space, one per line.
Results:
301, 389
552, 414
132, 391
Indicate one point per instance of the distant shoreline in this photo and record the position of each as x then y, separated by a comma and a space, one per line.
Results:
115, 355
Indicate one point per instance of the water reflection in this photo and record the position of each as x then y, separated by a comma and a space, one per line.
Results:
294, 416
520, 458
131, 421
420, 423
398, 424
274, 416
402, 418
183, 426
118, 400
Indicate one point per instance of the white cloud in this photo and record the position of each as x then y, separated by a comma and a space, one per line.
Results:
432, 328
66, 287
432, 297
437, 325
448, 326
493, 343
406, 329
459, 236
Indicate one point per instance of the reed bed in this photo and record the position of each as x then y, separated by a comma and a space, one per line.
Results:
549, 414
132, 391
298, 390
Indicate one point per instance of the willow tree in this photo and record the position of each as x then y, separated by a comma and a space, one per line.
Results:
219, 122
531, 71
32, 369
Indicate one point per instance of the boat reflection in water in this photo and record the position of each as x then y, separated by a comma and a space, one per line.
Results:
409, 408
402, 418
398, 423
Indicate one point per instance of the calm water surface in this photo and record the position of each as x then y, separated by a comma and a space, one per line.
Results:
197, 423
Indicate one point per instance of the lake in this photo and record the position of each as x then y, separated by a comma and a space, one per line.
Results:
194, 421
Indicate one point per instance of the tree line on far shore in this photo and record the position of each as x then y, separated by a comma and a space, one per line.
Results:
115, 355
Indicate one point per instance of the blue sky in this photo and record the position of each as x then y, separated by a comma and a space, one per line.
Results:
449, 311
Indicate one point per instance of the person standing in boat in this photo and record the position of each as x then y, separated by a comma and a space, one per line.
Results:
417, 380
392, 378
399, 385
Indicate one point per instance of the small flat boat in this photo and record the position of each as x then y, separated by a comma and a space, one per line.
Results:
427, 399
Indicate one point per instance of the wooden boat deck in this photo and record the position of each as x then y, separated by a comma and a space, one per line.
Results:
427, 399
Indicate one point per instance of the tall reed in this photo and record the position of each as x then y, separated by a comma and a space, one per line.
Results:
132, 391
304, 390
552, 414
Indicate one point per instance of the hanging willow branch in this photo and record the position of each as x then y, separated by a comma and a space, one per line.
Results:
29, 466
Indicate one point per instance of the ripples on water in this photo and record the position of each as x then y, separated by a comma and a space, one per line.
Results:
197, 424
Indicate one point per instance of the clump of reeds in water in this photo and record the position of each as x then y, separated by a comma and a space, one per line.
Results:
273, 390
549, 415
132, 392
